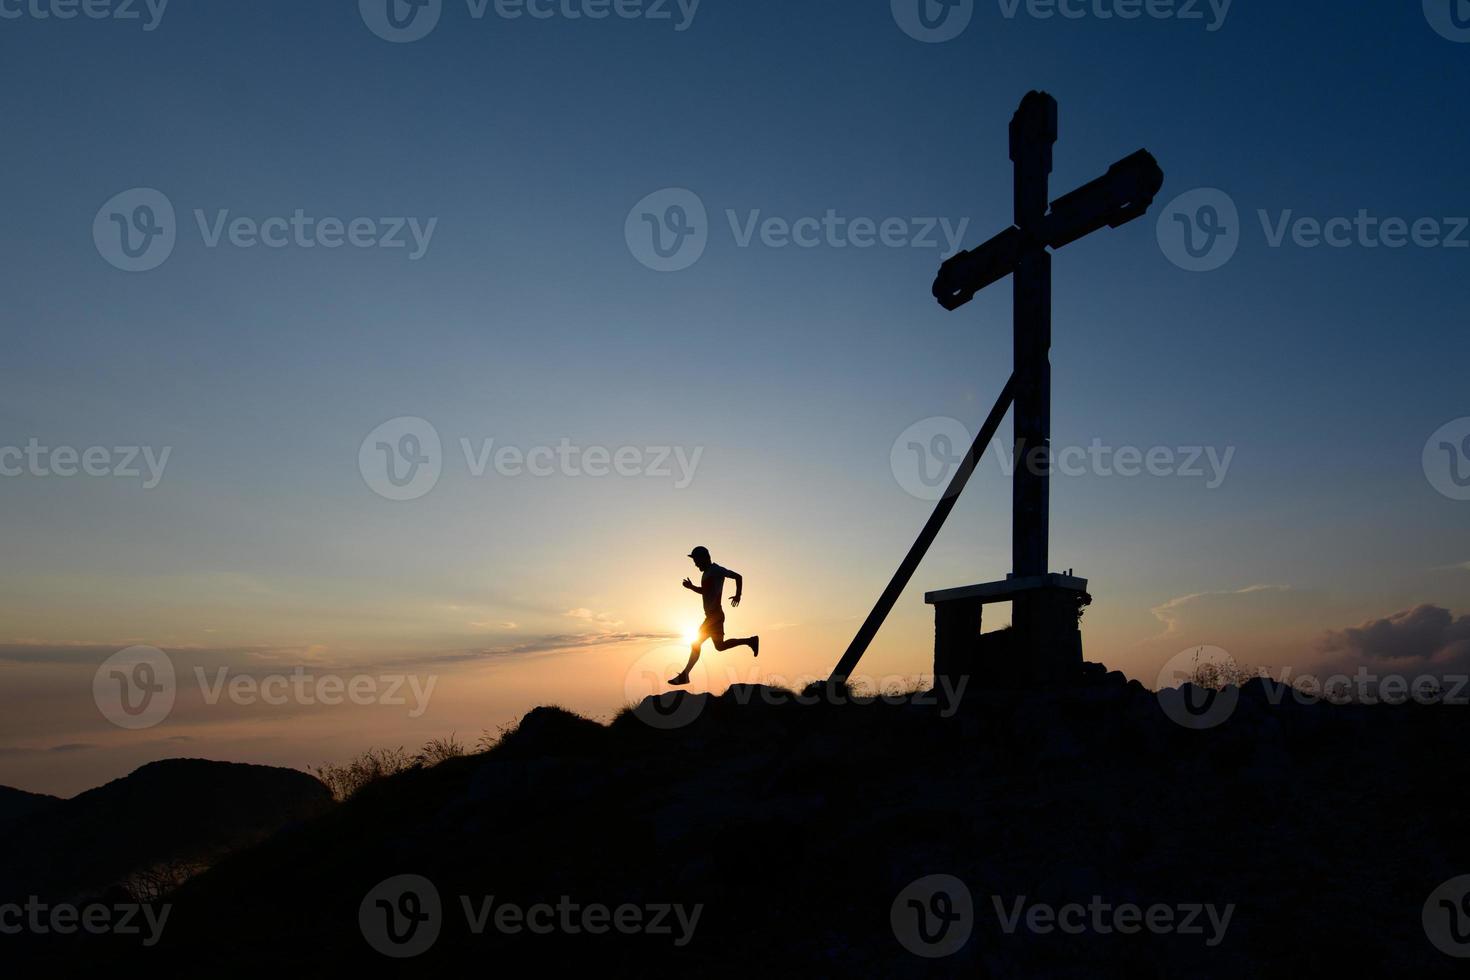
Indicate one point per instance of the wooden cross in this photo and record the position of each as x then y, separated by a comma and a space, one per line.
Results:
1022, 251
1122, 194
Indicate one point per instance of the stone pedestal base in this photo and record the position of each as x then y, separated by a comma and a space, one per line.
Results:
1043, 647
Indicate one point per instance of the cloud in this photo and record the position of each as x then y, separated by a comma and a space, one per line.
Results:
90, 654
600, 619
1171, 613
20, 750
260, 661
554, 643
547, 644
488, 625
1427, 637
42, 653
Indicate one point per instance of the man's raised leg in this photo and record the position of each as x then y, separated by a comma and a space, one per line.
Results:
754, 642
682, 677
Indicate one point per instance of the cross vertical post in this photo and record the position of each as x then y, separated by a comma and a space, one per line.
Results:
1033, 134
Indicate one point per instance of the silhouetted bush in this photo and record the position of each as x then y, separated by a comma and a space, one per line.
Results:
156, 883
348, 779
437, 750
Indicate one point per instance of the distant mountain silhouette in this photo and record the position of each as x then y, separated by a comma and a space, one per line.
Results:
17, 804
182, 811
798, 826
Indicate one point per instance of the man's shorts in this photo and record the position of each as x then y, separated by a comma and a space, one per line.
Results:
713, 628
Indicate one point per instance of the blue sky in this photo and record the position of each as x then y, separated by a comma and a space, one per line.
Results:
529, 320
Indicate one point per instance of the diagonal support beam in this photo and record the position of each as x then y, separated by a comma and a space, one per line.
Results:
900, 581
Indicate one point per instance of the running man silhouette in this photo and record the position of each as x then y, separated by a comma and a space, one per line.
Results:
712, 588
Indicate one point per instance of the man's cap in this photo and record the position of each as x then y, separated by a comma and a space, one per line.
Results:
699, 552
